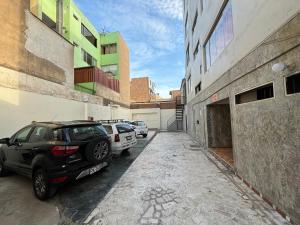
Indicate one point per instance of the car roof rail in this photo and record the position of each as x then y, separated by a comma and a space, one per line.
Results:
111, 121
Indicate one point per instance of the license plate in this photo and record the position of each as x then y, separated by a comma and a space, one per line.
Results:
91, 170
128, 138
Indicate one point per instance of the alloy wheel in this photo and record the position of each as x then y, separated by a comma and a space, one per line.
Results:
101, 150
39, 184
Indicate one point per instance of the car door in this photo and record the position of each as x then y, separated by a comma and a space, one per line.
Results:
36, 142
12, 151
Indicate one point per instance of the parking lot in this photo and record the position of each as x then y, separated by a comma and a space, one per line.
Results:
72, 203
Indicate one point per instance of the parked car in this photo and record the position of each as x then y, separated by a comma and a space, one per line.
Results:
122, 136
140, 128
53, 153
129, 123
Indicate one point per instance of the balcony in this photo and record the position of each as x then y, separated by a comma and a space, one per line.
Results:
94, 74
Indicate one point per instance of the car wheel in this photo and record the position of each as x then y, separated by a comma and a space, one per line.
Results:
97, 151
3, 171
145, 135
41, 187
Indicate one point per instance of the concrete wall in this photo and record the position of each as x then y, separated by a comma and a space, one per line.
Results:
249, 31
20, 108
26, 48
265, 133
155, 118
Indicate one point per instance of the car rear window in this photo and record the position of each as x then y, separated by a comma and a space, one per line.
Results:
108, 129
124, 128
86, 132
138, 123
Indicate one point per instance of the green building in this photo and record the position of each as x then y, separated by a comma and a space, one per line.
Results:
107, 51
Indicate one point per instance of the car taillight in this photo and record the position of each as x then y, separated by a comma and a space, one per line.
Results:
64, 150
58, 179
117, 138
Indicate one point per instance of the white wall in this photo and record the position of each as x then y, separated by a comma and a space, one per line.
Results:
19, 108
154, 117
253, 21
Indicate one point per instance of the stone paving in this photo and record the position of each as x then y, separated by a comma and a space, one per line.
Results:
175, 183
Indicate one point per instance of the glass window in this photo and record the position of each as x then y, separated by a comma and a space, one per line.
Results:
48, 21
189, 84
88, 35
293, 84
110, 69
88, 58
86, 132
196, 50
109, 49
108, 129
220, 37
39, 134
124, 128
195, 21
22, 135
187, 54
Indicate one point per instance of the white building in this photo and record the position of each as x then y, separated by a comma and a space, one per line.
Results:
242, 90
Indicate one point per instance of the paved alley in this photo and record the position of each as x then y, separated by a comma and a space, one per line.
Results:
173, 182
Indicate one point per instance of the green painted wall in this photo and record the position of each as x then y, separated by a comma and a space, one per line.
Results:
110, 59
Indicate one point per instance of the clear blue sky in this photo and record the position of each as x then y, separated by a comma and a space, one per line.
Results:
153, 31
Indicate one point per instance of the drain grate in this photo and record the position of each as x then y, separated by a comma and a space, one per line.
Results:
195, 146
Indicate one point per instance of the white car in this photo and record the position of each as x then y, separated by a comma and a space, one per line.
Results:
140, 128
122, 136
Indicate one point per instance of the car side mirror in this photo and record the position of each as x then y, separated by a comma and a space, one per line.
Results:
4, 141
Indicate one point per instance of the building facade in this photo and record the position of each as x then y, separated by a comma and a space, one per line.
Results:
107, 51
142, 90
241, 91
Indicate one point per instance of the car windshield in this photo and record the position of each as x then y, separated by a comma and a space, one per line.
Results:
86, 132
124, 128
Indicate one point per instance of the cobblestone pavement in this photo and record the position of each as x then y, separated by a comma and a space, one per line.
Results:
172, 183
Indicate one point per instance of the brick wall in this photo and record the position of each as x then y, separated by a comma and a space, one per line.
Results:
139, 90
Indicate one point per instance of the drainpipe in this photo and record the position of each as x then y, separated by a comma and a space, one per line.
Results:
59, 16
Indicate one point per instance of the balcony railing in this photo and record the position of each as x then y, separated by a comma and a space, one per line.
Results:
94, 74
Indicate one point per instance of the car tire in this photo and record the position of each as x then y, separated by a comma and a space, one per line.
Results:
145, 135
97, 151
3, 171
41, 187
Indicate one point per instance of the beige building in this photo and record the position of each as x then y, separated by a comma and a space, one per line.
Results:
242, 87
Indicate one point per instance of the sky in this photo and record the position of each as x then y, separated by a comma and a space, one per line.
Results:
153, 31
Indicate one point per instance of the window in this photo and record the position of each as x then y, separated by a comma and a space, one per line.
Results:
293, 84
88, 35
22, 135
88, 58
86, 132
196, 50
110, 69
109, 49
75, 44
186, 20
189, 84
260, 93
187, 55
220, 37
198, 88
75, 17
39, 134
48, 21
195, 21
124, 128
108, 129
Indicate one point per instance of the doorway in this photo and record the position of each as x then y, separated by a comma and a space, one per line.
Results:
219, 131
